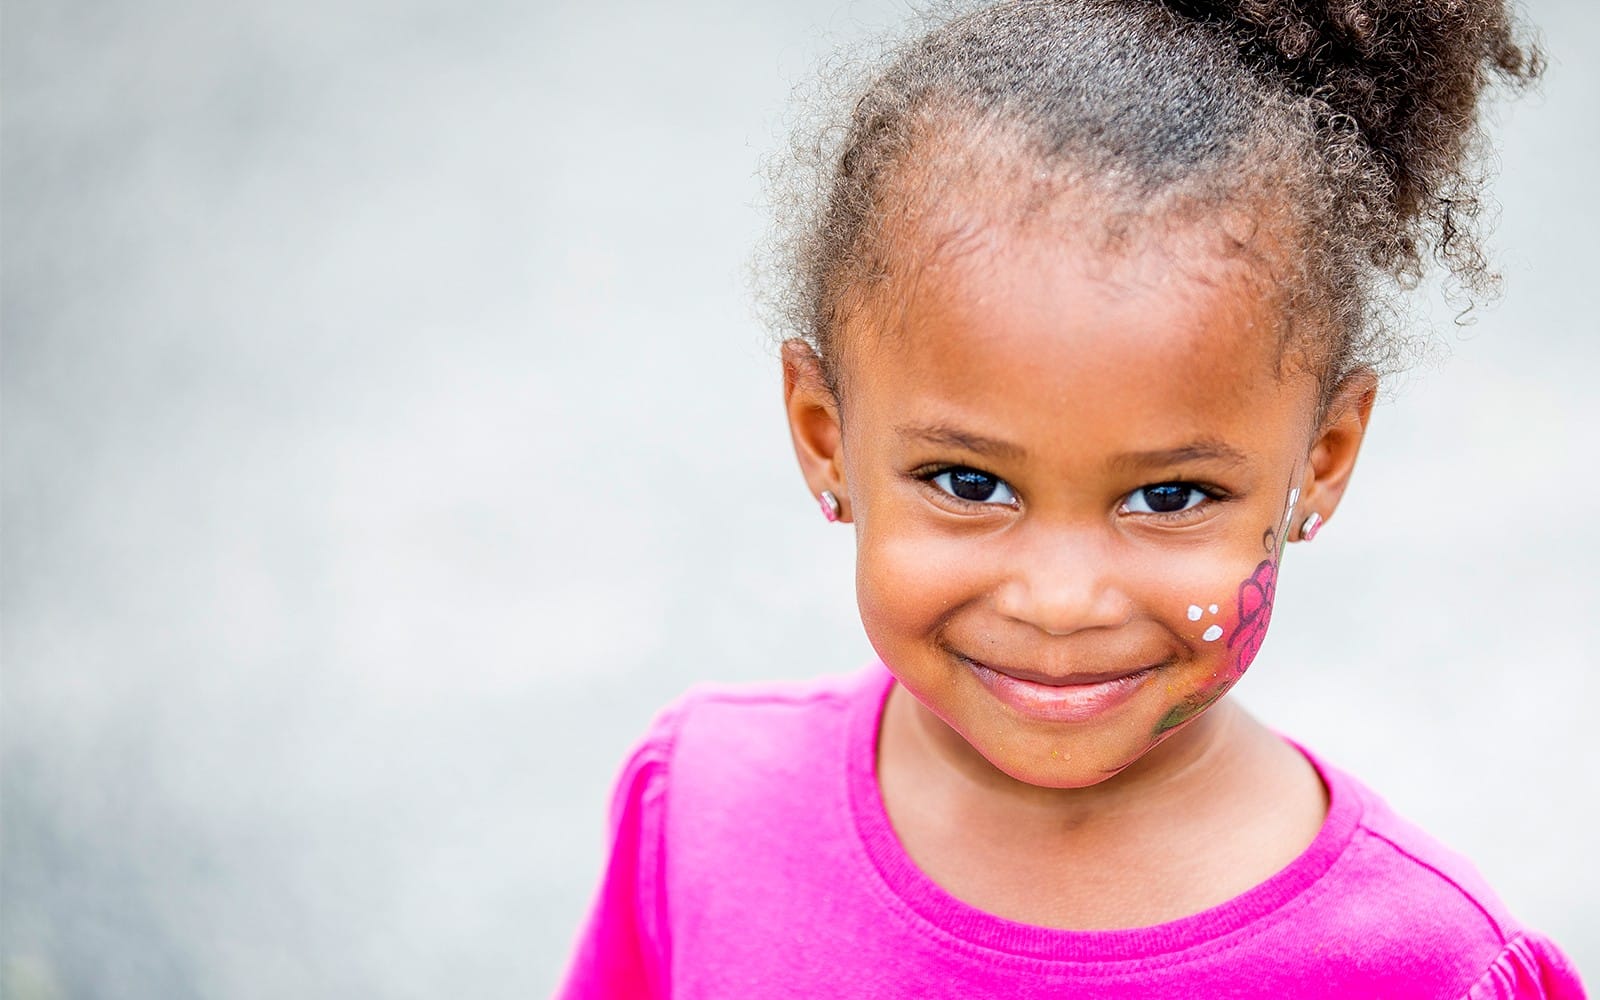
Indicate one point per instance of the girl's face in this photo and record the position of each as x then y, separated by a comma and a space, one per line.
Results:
1071, 478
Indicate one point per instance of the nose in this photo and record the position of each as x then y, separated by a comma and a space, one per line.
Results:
1064, 587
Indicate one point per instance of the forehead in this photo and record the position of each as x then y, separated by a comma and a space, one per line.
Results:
1047, 332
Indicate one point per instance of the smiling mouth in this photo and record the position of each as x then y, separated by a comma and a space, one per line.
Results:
1073, 698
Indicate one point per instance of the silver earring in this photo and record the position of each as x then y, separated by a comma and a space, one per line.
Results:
829, 504
1312, 525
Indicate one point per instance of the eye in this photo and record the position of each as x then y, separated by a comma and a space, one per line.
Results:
1164, 498
974, 486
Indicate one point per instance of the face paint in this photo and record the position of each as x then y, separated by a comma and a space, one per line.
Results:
1255, 611
1253, 605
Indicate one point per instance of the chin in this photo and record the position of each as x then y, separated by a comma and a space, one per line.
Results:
1048, 762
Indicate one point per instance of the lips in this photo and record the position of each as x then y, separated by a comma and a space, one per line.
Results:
1079, 697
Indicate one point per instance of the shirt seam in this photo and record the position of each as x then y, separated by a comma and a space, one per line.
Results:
1491, 971
1499, 931
1106, 969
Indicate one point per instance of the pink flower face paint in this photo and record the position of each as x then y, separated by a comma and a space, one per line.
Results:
1255, 611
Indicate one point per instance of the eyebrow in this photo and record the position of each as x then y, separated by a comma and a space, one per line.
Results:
951, 437
1201, 450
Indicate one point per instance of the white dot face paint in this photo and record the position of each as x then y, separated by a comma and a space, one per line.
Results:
1212, 634
1213, 609
1194, 612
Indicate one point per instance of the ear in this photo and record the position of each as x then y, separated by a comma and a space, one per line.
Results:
814, 422
1338, 441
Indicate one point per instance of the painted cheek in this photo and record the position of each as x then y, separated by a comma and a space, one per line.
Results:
1252, 612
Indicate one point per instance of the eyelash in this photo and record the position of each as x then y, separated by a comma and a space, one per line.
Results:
1211, 493
929, 473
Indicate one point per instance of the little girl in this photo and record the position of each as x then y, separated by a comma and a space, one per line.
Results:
1089, 320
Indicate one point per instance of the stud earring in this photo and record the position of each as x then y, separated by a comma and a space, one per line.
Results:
829, 504
1312, 525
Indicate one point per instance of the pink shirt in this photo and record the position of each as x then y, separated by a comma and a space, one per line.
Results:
752, 858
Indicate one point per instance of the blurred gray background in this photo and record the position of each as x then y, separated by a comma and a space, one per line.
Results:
387, 435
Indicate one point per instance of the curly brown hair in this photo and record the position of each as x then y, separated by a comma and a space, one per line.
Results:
1354, 120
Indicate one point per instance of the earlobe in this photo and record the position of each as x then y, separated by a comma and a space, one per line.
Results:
814, 425
1333, 452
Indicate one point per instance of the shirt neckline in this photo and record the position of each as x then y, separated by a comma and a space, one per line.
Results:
929, 904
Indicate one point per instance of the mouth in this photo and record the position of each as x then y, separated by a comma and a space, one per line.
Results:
1068, 698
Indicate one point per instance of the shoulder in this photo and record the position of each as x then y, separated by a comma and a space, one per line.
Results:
784, 704
1432, 882
718, 737
721, 758
749, 705
717, 782
1416, 911
775, 730
749, 792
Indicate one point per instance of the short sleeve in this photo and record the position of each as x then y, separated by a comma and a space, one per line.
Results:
1529, 968
621, 950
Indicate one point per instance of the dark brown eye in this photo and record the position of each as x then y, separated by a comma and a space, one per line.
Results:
974, 486
1163, 498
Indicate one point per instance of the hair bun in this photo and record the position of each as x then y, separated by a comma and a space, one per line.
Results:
1407, 74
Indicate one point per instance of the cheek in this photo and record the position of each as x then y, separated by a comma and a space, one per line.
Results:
1198, 595
907, 583
1228, 643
